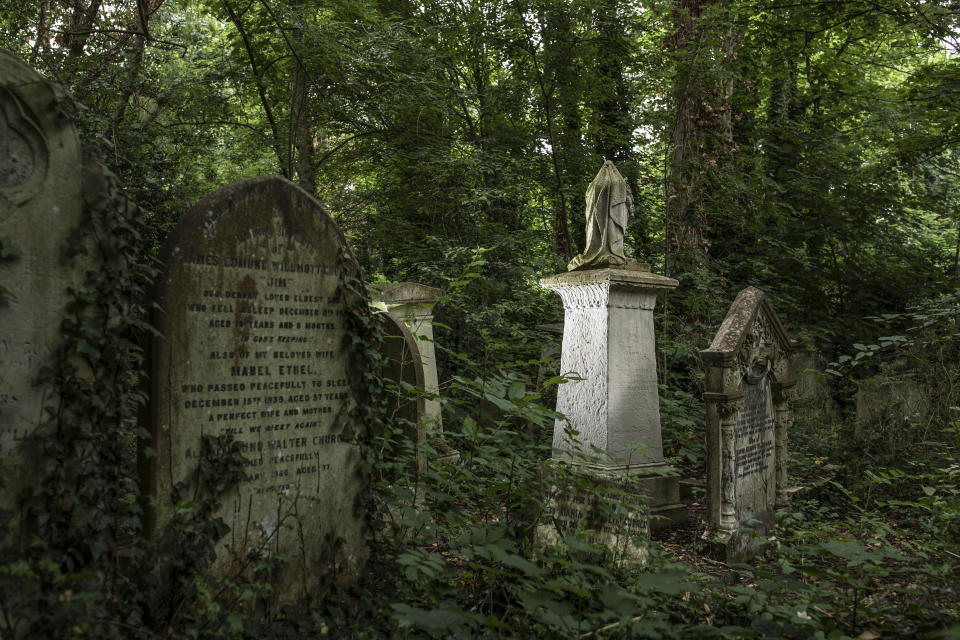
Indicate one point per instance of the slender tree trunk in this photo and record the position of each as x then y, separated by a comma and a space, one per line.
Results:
561, 232
258, 80
82, 21
704, 46
302, 131
129, 83
688, 242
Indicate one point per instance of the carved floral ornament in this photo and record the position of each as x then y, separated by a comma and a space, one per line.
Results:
23, 153
758, 353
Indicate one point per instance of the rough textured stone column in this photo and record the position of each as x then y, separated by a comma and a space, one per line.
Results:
608, 340
721, 501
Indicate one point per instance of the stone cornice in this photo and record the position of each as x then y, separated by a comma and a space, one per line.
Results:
637, 277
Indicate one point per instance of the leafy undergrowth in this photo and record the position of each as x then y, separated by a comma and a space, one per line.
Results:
455, 557
843, 572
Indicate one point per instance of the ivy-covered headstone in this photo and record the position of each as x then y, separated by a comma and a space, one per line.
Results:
257, 287
41, 210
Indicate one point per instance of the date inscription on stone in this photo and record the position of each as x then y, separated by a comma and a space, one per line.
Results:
272, 377
754, 432
254, 347
754, 453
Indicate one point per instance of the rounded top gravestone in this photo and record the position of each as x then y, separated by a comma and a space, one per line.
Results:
254, 346
41, 206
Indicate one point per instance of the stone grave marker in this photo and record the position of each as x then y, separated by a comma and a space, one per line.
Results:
411, 358
254, 345
814, 403
41, 207
401, 354
411, 304
608, 341
895, 396
612, 425
748, 417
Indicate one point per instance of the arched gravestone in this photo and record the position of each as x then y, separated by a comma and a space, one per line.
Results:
254, 345
748, 417
403, 365
41, 207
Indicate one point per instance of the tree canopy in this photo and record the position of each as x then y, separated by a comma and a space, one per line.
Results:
810, 148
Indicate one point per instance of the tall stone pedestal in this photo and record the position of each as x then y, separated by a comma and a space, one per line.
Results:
608, 340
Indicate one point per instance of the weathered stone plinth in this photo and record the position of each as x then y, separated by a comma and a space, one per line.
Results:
608, 341
748, 417
606, 510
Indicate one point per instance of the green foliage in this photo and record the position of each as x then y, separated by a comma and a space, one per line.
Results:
453, 144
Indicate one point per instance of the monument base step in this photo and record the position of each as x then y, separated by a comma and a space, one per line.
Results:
661, 486
667, 516
739, 545
598, 508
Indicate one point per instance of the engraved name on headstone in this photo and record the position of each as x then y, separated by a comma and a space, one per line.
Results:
748, 417
252, 316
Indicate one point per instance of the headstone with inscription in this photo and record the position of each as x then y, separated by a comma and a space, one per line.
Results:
40, 189
254, 345
748, 417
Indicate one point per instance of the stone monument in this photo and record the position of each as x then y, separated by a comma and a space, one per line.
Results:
252, 313
41, 208
748, 417
401, 355
608, 341
410, 308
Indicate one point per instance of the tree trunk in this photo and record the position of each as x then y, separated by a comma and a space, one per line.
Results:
687, 239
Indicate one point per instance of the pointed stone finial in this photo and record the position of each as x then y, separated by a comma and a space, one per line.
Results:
609, 208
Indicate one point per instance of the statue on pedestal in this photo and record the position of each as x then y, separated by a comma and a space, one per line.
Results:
609, 208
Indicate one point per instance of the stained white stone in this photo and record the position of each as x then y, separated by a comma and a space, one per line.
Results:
608, 341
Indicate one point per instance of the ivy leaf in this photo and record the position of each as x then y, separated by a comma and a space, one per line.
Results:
7, 250
669, 582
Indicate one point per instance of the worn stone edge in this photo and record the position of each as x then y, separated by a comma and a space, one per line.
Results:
616, 277
737, 323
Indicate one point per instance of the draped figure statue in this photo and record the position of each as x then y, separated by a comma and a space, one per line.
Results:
609, 208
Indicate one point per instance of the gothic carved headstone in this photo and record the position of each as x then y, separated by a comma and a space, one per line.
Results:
748, 417
41, 207
254, 345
